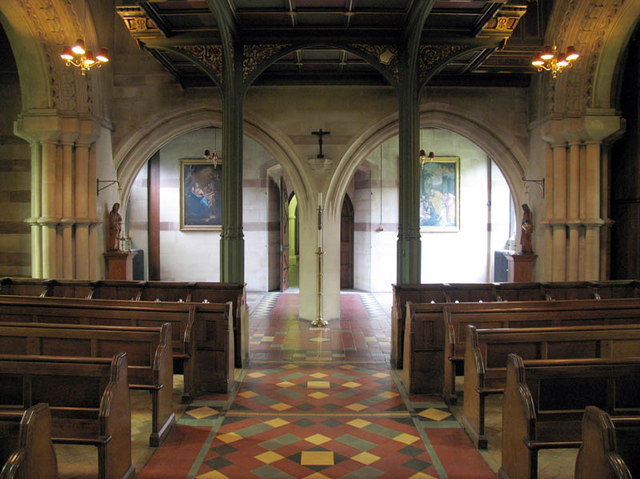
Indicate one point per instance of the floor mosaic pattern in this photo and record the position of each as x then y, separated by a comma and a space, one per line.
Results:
317, 403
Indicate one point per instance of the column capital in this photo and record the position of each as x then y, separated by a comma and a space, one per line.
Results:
596, 126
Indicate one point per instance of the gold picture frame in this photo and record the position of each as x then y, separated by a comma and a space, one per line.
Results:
440, 194
200, 194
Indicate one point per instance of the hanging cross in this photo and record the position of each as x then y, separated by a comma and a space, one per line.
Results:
320, 134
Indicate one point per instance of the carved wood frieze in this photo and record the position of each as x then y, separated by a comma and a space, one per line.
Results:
137, 22
432, 56
209, 56
385, 55
254, 55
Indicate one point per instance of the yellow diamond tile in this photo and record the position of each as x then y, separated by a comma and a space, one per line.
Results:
318, 385
317, 439
319, 339
280, 406
435, 414
317, 458
318, 395
285, 384
252, 343
380, 375
351, 384
316, 475
247, 394
268, 339
212, 475
269, 457
366, 458
255, 375
289, 366
202, 412
347, 366
230, 437
318, 375
277, 422
359, 423
389, 394
356, 407
406, 438
422, 475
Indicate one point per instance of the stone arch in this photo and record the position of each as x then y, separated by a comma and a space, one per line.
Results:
153, 135
45, 81
502, 147
609, 66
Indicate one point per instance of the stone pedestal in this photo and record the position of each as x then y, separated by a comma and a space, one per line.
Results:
521, 267
119, 264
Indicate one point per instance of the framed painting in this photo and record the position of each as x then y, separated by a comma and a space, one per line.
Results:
440, 194
200, 195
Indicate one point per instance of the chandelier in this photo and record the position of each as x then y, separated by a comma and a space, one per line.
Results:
550, 60
424, 158
79, 56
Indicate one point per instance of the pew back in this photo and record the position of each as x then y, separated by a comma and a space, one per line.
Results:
32, 454
610, 446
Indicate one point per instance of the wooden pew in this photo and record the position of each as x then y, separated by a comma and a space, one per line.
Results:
519, 292
88, 399
610, 446
150, 363
402, 294
526, 314
28, 435
487, 350
544, 401
209, 292
426, 372
188, 342
163, 291
24, 286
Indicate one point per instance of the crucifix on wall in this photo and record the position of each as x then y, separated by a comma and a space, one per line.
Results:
320, 134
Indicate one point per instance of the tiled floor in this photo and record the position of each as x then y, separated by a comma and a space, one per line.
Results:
315, 403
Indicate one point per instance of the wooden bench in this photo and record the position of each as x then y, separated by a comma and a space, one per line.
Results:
486, 352
525, 314
149, 357
495, 292
26, 450
610, 446
154, 291
544, 401
188, 340
88, 399
435, 333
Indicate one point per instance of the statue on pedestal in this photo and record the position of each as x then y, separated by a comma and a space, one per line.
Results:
527, 230
115, 227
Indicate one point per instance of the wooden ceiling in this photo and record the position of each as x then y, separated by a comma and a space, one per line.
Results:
513, 38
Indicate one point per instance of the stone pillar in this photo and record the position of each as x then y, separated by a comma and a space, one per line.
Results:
82, 211
49, 221
92, 176
573, 211
36, 209
592, 219
559, 212
67, 221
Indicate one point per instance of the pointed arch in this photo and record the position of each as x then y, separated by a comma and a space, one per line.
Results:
153, 135
502, 147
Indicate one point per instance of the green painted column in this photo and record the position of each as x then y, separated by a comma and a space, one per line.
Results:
409, 245
232, 237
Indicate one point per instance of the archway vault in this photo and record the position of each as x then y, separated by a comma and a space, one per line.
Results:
502, 147
153, 135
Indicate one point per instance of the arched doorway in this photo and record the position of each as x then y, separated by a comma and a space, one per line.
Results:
346, 244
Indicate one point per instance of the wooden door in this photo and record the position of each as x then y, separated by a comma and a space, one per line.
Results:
284, 236
346, 244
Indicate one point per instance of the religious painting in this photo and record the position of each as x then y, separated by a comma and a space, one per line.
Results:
200, 195
440, 194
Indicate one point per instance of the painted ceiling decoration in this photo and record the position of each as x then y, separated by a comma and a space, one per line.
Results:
313, 40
